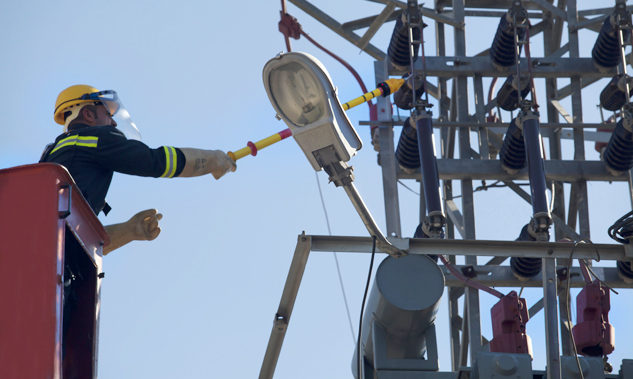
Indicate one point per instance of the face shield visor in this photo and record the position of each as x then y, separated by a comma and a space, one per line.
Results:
119, 114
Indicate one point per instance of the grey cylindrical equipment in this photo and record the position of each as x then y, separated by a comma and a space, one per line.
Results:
404, 300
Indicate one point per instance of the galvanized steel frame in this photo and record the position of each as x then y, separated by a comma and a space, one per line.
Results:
457, 124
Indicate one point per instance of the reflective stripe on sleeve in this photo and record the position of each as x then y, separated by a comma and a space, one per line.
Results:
76, 140
170, 162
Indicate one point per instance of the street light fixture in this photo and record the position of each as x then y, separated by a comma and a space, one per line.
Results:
301, 91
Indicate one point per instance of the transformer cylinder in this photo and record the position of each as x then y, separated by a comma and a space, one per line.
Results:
618, 155
404, 300
407, 154
613, 96
606, 51
398, 50
512, 154
508, 96
502, 51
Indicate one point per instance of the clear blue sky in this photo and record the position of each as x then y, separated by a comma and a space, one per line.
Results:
199, 301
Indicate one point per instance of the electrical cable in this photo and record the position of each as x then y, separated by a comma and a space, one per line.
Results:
616, 229
286, 37
405, 186
467, 281
362, 309
484, 187
493, 84
338, 268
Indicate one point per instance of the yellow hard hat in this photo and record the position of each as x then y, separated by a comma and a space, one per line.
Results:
69, 97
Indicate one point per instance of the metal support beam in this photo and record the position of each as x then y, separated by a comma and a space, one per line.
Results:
564, 171
476, 248
544, 67
544, 5
455, 216
288, 297
337, 28
482, 132
387, 158
373, 28
551, 318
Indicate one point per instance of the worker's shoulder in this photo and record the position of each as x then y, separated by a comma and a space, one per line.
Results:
104, 131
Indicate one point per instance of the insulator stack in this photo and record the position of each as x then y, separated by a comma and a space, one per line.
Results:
407, 154
507, 97
512, 155
618, 156
606, 52
613, 96
502, 51
625, 271
398, 50
525, 268
404, 97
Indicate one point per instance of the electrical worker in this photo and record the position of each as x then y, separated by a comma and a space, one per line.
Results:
93, 146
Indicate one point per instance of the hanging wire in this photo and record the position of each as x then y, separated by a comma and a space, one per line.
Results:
362, 309
484, 186
338, 268
405, 186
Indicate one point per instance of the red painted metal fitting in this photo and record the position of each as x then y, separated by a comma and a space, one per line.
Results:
493, 118
593, 334
289, 26
509, 316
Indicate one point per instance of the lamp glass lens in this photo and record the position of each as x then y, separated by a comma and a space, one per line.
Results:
298, 93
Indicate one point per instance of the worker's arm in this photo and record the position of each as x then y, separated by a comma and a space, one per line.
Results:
202, 162
143, 226
117, 153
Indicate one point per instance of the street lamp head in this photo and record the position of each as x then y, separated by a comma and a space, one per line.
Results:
301, 91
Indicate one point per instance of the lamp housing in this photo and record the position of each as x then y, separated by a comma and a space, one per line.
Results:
301, 91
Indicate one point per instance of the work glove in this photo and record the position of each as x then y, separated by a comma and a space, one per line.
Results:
144, 225
221, 164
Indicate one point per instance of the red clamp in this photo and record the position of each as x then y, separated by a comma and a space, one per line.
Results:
289, 26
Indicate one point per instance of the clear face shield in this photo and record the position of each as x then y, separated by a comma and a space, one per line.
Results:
119, 114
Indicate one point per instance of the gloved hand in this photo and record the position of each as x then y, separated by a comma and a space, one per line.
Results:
144, 225
221, 164
203, 162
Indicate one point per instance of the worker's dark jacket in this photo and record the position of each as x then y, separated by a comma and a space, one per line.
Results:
92, 154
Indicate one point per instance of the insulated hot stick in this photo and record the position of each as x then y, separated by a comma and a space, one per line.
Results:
252, 148
384, 89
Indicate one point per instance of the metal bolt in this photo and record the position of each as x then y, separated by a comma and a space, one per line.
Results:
550, 252
550, 280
